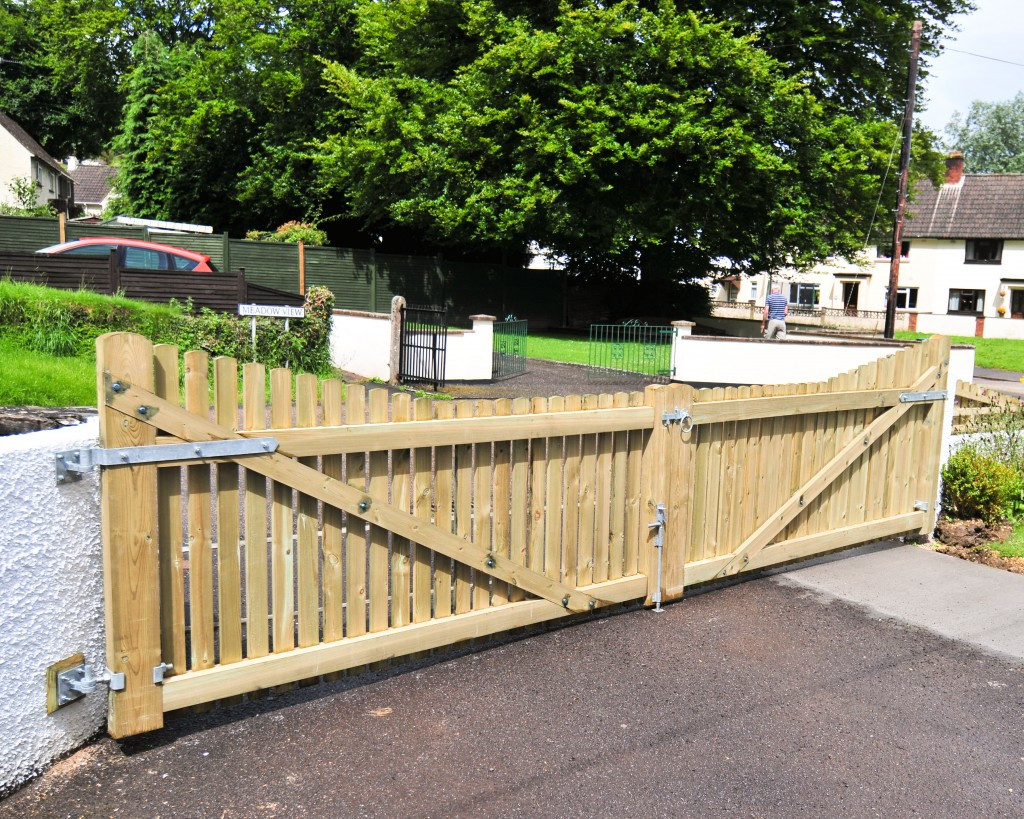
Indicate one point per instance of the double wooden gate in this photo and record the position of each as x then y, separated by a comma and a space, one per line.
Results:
375, 532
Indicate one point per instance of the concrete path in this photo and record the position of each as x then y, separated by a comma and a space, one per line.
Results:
954, 598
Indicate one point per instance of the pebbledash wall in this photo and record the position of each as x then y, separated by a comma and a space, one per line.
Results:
366, 344
51, 582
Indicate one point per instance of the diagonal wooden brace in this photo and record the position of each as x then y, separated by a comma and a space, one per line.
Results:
846, 457
143, 405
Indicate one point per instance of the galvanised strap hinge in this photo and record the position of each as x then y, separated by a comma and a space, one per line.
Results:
659, 543
71, 464
914, 397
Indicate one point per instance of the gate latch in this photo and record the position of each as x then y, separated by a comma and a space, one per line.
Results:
659, 543
678, 416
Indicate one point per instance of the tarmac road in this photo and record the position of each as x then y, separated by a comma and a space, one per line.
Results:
767, 698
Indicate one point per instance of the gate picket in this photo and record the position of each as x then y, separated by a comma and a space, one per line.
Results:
357, 543
377, 588
229, 569
445, 515
422, 505
307, 538
282, 527
257, 609
331, 567
200, 542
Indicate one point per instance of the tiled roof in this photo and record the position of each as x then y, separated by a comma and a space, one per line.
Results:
92, 183
30, 144
981, 206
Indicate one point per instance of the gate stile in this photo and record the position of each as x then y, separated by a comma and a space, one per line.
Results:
447, 521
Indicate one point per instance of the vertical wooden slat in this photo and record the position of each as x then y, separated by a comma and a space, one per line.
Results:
879, 469
864, 380
937, 348
803, 452
634, 464
700, 441
912, 369
538, 492
732, 497
751, 466
827, 431
401, 562
172, 565
678, 490
422, 508
229, 569
602, 533
463, 512
257, 609
356, 540
131, 577
553, 499
445, 515
588, 491
332, 569
571, 493
378, 551
200, 551
518, 526
652, 487
501, 503
617, 525
482, 507
307, 540
281, 524
713, 495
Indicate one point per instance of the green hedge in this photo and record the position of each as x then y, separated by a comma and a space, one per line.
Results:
67, 323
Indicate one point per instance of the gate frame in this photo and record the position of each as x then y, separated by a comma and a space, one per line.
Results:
410, 353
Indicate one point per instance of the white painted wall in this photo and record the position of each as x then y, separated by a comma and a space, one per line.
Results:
470, 353
51, 583
720, 360
15, 162
361, 344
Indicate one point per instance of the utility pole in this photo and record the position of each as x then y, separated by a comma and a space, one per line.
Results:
901, 195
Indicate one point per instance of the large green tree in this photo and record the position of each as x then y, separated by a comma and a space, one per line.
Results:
635, 138
991, 136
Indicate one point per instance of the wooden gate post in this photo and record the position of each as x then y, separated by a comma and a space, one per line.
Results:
131, 590
668, 479
933, 431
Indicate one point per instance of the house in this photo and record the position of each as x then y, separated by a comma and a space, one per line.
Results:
21, 157
961, 264
92, 185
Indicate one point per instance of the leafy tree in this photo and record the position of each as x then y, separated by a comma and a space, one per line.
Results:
991, 136
638, 140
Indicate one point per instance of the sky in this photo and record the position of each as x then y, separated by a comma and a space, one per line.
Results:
955, 79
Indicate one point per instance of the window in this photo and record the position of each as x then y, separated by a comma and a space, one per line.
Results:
90, 250
906, 298
885, 251
181, 263
984, 251
753, 290
804, 295
966, 301
143, 258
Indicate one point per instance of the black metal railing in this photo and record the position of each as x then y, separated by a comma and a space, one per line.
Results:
423, 345
632, 348
509, 350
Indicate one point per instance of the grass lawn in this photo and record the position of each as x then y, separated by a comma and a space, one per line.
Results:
572, 349
575, 349
1013, 546
996, 353
28, 377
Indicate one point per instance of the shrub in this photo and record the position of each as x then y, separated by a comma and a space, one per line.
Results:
292, 233
978, 485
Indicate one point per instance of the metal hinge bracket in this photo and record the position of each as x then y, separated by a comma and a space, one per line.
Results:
71, 464
74, 683
158, 672
913, 397
920, 506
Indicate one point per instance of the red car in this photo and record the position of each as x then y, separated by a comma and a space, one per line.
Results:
135, 253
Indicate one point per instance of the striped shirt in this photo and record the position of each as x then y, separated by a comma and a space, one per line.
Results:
776, 304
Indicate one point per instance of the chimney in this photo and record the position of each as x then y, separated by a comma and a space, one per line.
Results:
954, 168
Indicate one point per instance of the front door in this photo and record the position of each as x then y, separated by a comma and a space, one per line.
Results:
851, 292
1017, 304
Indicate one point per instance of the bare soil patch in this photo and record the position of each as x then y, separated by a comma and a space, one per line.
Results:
969, 539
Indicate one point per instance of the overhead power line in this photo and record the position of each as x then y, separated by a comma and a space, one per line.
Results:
984, 57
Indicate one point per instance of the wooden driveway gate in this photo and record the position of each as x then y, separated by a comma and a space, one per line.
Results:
289, 542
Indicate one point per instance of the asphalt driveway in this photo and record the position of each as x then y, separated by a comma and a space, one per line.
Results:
768, 698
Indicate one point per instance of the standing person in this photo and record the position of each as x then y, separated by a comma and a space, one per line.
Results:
776, 308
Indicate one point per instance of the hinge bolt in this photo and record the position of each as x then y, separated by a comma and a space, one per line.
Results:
364, 506
592, 605
491, 562
116, 386
143, 409
565, 601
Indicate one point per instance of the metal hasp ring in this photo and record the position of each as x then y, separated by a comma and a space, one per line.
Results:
678, 416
